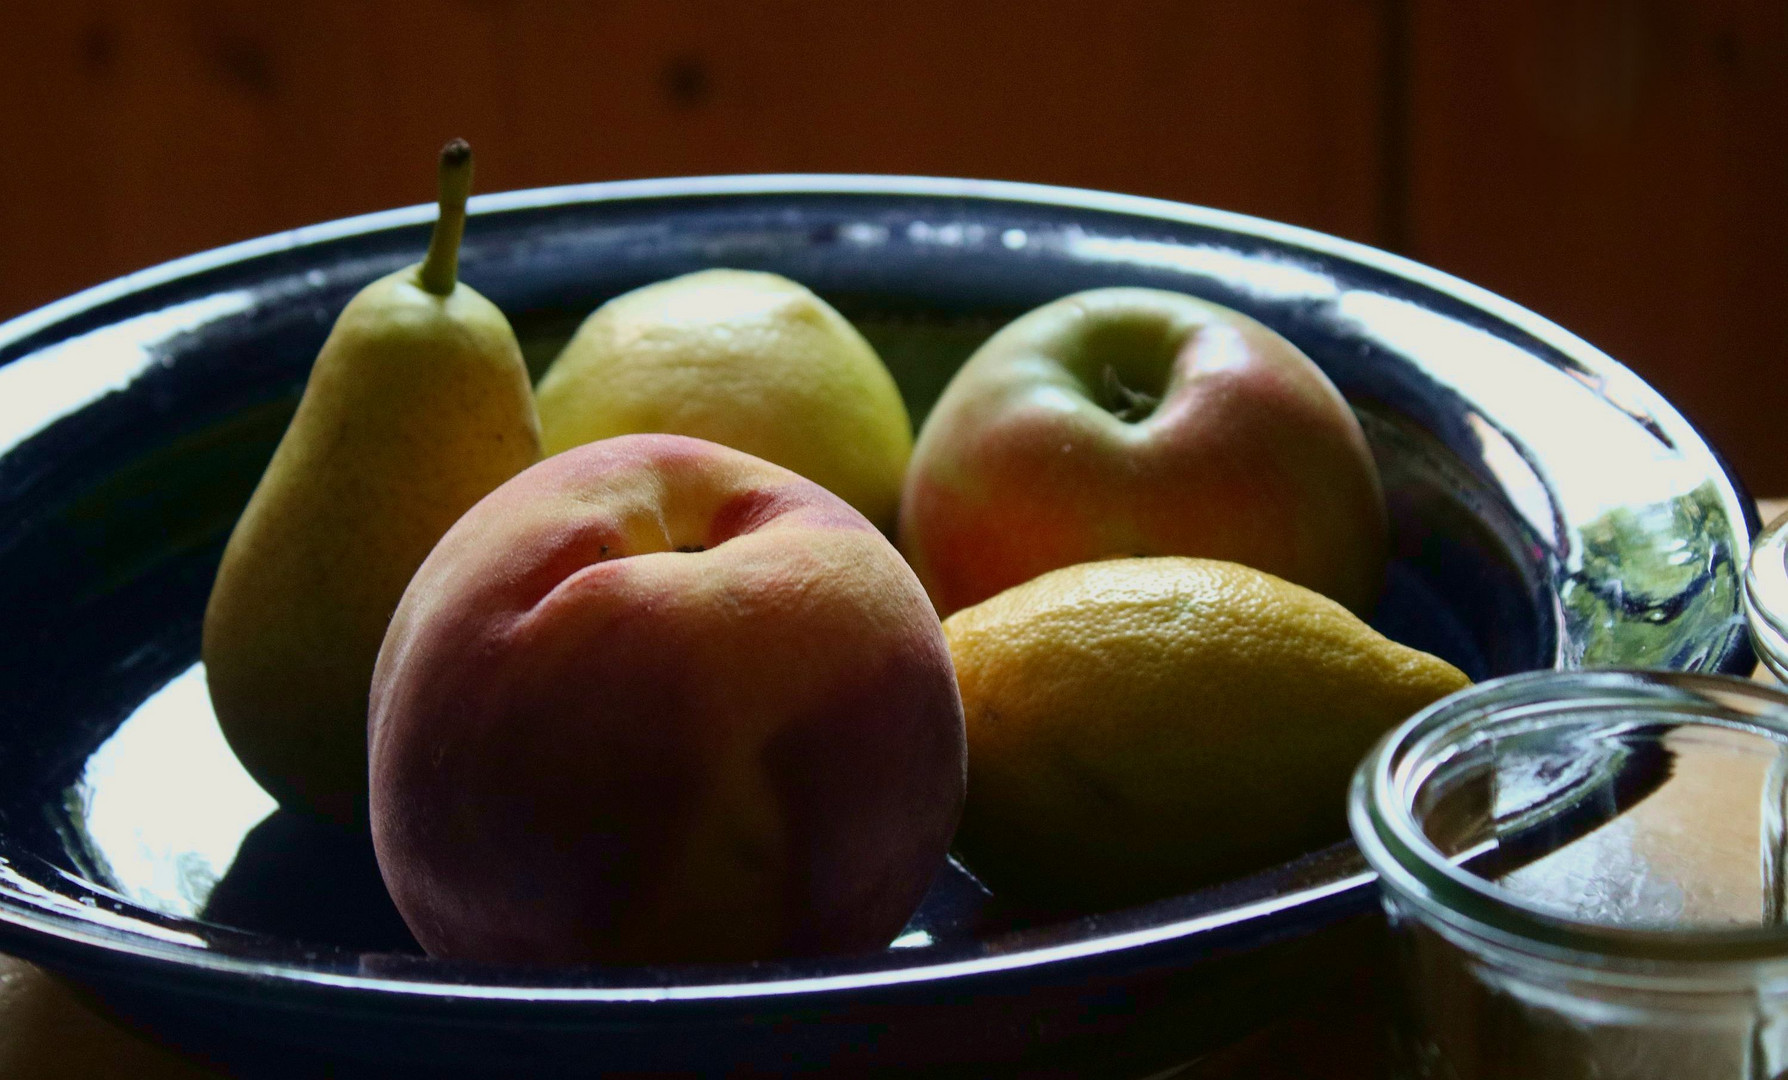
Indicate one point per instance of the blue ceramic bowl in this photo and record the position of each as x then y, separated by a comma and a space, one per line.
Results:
1550, 510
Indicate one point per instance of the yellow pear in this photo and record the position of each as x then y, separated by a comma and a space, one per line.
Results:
744, 358
416, 408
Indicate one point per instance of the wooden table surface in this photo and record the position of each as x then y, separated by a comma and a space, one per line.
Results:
47, 1030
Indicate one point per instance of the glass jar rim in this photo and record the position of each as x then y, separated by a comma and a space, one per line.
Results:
1766, 595
1384, 824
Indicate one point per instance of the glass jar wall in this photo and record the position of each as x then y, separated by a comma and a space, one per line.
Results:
1583, 873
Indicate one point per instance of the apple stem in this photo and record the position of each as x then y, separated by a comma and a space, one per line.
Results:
1127, 404
440, 268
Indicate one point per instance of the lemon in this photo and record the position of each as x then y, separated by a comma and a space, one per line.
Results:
1139, 727
750, 360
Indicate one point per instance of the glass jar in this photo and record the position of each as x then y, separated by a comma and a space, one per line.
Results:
1766, 596
1583, 875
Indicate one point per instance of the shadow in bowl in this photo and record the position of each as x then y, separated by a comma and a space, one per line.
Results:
309, 881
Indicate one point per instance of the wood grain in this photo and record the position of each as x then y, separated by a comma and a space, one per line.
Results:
140, 131
49, 1029
1617, 165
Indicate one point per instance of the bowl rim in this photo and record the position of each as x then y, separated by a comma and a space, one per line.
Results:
1347, 886
29, 323
1351, 889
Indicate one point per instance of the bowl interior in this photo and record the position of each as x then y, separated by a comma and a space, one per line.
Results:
1548, 508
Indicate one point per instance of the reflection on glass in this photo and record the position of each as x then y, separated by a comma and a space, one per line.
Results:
163, 805
1659, 572
1687, 854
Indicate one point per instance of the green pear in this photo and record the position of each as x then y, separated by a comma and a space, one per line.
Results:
417, 407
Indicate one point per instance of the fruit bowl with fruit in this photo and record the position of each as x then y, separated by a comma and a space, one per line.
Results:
1472, 481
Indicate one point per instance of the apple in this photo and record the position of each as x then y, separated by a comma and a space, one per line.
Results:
657, 700
1129, 421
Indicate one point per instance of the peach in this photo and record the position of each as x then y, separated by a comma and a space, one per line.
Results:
657, 700
1129, 421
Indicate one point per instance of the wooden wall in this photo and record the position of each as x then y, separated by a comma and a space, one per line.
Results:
1622, 168
1615, 164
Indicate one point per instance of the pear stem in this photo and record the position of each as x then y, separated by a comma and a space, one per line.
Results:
440, 268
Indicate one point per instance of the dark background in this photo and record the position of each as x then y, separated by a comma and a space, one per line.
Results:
1617, 165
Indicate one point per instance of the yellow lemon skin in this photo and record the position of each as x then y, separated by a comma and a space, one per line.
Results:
1140, 727
746, 359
